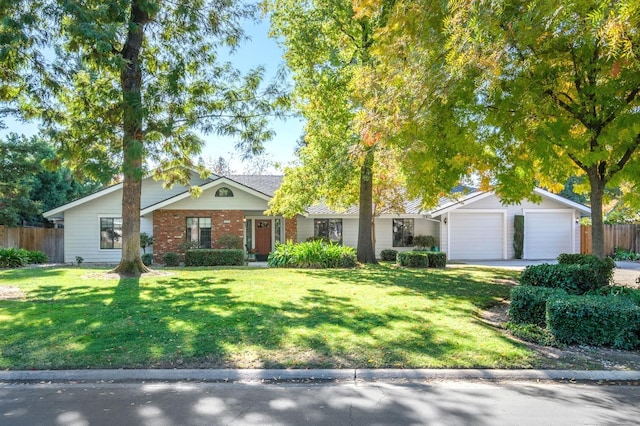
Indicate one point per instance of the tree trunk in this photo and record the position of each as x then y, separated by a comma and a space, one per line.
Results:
132, 150
366, 250
597, 218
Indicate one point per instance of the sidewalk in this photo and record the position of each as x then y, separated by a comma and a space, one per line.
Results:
338, 375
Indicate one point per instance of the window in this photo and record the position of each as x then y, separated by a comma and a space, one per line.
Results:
110, 233
278, 230
248, 232
402, 232
328, 228
224, 192
199, 231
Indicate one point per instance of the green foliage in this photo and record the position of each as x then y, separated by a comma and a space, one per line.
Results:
79, 260
437, 259
632, 294
529, 304
413, 259
575, 279
229, 241
424, 241
214, 257
171, 259
188, 245
595, 320
147, 259
603, 268
388, 255
518, 235
624, 254
13, 257
145, 241
36, 257
532, 333
312, 254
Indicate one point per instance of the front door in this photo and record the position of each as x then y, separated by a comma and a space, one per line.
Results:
263, 236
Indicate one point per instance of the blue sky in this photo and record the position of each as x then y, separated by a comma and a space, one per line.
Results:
259, 51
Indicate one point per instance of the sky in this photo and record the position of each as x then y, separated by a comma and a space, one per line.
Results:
259, 51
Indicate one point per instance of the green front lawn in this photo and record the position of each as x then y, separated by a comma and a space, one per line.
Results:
256, 318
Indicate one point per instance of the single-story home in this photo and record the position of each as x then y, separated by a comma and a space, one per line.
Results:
475, 226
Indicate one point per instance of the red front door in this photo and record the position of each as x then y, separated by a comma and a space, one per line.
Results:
263, 236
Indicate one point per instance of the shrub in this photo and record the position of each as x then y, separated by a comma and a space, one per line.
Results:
426, 241
603, 268
312, 254
147, 259
229, 241
36, 256
388, 254
145, 241
618, 291
623, 254
437, 259
595, 320
413, 259
532, 333
518, 235
214, 257
13, 257
528, 304
79, 260
575, 279
171, 259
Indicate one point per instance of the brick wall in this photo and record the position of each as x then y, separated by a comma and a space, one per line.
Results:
169, 228
291, 229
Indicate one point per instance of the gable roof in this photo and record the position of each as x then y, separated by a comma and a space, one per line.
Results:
447, 204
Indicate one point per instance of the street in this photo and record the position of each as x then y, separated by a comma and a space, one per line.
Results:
346, 403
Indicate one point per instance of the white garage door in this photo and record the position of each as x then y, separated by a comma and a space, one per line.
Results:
547, 234
477, 235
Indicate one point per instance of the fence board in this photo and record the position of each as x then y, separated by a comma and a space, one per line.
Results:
48, 240
624, 236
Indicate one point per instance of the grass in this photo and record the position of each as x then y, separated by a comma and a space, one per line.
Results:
256, 318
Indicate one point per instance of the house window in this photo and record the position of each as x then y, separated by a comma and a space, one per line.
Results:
199, 231
328, 228
277, 230
248, 232
402, 232
224, 192
110, 233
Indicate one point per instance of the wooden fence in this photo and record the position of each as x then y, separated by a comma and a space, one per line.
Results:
48, 240
623, 236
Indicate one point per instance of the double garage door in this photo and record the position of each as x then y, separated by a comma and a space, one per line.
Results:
482, 235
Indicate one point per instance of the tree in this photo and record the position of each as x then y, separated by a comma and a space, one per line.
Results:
516, 92
326, 44
135, 80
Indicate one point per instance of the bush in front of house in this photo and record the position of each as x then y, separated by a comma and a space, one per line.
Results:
312, 254
17, 257
574, 278
424, 241
36, 257
529, 304
230, 241
413, 259
171, 259
437, 259
594, 320
603, 268
147, 259
214, 257
388, 255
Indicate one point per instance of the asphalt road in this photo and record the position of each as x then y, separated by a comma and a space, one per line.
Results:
349, 403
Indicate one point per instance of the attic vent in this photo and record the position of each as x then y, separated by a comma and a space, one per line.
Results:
224, 192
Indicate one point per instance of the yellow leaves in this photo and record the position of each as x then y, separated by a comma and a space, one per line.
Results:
365, 8
577, 130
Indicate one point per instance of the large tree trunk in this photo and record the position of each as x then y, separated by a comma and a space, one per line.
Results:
597, 218
366, 250
131, 85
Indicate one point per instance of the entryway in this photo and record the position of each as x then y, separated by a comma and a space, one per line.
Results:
262, 237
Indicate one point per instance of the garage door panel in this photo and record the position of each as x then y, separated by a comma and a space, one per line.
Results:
547, 234
476, 235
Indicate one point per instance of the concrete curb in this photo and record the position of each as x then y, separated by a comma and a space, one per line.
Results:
249, 375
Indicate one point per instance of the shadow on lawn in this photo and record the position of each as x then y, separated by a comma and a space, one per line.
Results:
203, 323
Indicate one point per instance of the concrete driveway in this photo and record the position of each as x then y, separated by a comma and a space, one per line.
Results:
626, 273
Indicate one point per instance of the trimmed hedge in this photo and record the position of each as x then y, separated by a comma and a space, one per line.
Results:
171, 259
388, 254
594, 320
603, 268
437, 259
214, 257
575, 279
413, 259
528, 304
147, 259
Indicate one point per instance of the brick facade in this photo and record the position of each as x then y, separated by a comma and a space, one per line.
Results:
169, 228
291, 229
